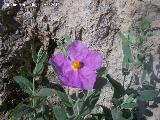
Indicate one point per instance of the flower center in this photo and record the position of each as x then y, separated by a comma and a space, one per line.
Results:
76, 65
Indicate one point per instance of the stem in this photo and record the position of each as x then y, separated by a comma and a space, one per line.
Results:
130, 83
77, 92
123, 83
33, 91
124, 80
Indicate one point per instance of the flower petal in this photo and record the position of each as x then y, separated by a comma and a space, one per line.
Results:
93, 60
77, 50
70, 79
83, 79
88, 78
58, 61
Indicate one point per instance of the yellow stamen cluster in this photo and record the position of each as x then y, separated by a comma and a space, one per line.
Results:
76, 65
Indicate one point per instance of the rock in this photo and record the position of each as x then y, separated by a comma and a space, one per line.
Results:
96, 22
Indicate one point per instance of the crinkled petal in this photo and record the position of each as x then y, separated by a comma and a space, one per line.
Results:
59, 61
70, 79
93, 60
88, 78
83, 79
77, 50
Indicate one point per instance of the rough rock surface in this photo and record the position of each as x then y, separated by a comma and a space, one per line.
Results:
96, 22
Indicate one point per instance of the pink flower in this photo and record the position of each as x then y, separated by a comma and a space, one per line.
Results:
78, 70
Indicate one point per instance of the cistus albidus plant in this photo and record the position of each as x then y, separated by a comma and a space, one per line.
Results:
80, 68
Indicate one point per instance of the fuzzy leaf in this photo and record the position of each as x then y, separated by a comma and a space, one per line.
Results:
102, 71
126, 52
148, 95
119, 91
64, 98
38, 69
68, 39
21, 110
24, 83
145, 76
129, 105
59, 113
144, 24
89, 103
100, 83
42, 55
107, 113
34, 55
44, 92
117, 114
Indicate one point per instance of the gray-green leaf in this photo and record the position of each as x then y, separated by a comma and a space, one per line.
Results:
38, 69
24, 83
64, 98
59, 113
21, 110
148, 95
44, 92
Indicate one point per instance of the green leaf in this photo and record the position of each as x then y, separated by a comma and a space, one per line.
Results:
126, 48
148, 95
116, 102
89, 103
59, 113
144, 24
145, 76
21, 110
77, 106
100, 83
130, 98
68, 39
139, 60
126, 113
126, 41
34, 55
44, 92
129, 105
39, 101
40, 118
130, 36
125, 66
38, 69
107, 113
64, 98
42, 55
117, 114
24, 83
97, 116
102, 71
129, 102
119, 91
62, 48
